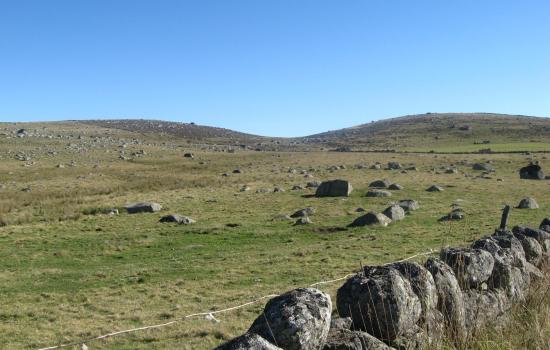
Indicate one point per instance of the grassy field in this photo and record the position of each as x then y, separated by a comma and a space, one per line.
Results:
495, 147
68, 273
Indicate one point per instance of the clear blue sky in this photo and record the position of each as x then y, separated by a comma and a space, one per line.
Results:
272, 67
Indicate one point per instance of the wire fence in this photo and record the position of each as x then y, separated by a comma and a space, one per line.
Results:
209, 314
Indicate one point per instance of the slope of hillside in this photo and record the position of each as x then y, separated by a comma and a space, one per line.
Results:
444, 131
184, 130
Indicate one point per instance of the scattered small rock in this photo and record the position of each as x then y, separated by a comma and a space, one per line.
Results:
528, 203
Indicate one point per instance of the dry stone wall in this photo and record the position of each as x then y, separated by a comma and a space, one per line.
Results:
406, 305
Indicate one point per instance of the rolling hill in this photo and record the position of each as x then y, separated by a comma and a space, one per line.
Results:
439, 132
444, 131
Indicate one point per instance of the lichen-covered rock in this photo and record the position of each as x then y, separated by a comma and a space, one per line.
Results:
472, 267
541, 236
371, 218
296, 320
180, 219
380, 184
532, 249
344, 339
450, 298
528, 203
394, 212
505, 275
248, 341
303, 212
409, 205
508, 240
381, 302
378, 193
484, 308
341, 323
422, 283
334, 188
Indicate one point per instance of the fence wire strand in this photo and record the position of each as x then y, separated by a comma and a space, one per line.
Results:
209, 313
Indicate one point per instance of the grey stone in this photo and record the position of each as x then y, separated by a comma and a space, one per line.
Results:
483, 167
435, 188
541, 236
143, 207
371, 218
380, 183
394, 165
180, 219
344, 339
472, 267
378, 193
381, 302
532, 248
531, 172
450, 298
423, 286
248, 341
334, 188
484, 308
545, 225
313, 184
409, 205
303, 221
528, 203
394, 212
296, 320
506, 275
303, 212
341, 323
395, 187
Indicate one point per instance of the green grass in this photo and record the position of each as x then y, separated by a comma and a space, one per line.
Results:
496, 147
67, 274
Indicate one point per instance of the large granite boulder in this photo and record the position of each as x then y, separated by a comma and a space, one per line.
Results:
450, 301
296, 320
381, 302
472, 267
507, 274
484, 308
371, 218
541, 236
409, 205
528, 203
531, 172
334, 188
